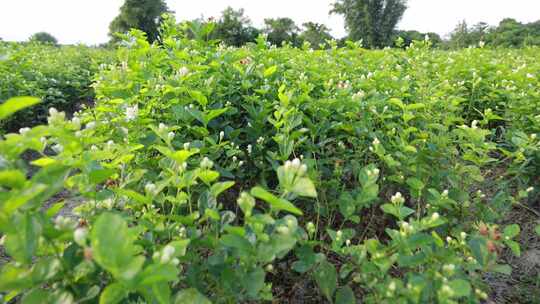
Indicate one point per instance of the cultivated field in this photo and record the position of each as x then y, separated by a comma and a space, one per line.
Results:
206, 174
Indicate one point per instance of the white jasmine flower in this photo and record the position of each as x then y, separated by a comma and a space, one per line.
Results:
170, 135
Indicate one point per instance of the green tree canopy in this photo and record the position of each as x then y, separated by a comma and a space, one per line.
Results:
315, 33
43, 37
144, 15
280, 30
234, 28
372, 21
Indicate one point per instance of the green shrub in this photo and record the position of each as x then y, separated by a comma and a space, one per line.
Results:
61, 77
210, 174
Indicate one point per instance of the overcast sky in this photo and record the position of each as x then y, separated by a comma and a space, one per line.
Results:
86, 21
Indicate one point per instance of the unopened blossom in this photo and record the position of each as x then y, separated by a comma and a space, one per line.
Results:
132, 112
23, 131
183, 71
397, 198
170, 135
150, 188
80, 235
206, 163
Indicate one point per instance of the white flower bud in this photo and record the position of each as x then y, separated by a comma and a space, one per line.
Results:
150, 188
79, 235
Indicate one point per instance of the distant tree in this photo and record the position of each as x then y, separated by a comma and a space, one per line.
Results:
234, 28
144, 15
372, 21
410, 36
509, 33
280, 30
44, 37
459, 37
315, 33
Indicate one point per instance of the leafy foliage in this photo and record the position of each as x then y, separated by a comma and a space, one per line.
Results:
280, 30
44, 37
210, 174
235, 29
144, 15
60, 76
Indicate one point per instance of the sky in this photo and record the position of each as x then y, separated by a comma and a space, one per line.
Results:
87, 21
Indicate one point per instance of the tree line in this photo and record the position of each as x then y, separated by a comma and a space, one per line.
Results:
371, 21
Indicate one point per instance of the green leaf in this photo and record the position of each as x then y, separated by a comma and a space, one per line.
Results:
158, 273
12, 178
14, 278
326, 277
199, 97
44, 162
208, 176
212, 114
479, 250
22, 242
98, 176
345, 295
112, 294
514, 246
275, 202
218, 188
254, 282
511, 231
235, 241
537, 230
35, 296
502, 268
113, 249
396, 102
191, 295
461, 288
304, 187
181, 156
15, 104
270, 71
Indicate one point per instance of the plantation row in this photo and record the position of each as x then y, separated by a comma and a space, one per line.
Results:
61, 77
207, 174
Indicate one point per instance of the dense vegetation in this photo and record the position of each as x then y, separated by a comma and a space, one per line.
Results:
60, 76
213, 174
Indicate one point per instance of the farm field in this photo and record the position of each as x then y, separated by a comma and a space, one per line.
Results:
211, 174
